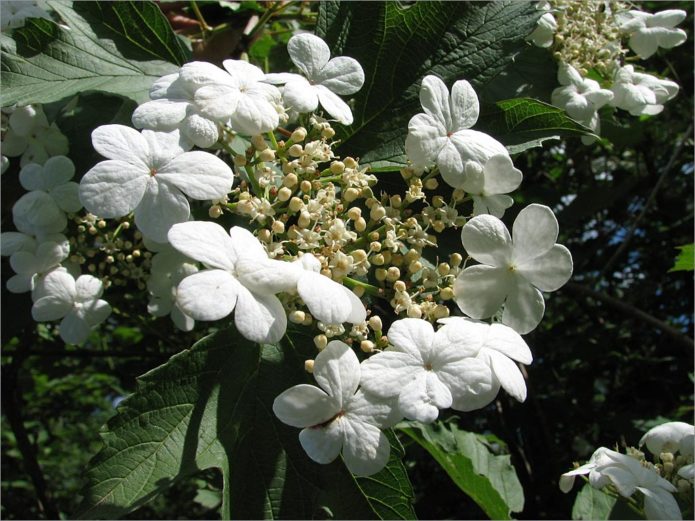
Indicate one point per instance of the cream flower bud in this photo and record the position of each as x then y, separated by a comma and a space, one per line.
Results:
284, 194
360, 224
309, 366
350, 194
393, 274
297, 316
327, 133
267, 155
304, 220
290, 180
446, 293
414, 311
399, 286
443, 269
375, 323
298, 135
367, 346
337, 167
431, 184
375, 246
378, 260
350, 162
214, 211
278, 227
296, 204
377, 213
305, 186
414, 266
259, 143
320, 341
455, 259
380, 274
264, 235
354, 213
296, 150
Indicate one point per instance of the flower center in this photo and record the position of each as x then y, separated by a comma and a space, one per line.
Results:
153, 172
339, 414
428, 366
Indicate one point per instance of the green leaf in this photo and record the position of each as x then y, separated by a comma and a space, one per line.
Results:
685, 260
523, 123
115, 47
487, 479
398, 45
592, 503
211, 407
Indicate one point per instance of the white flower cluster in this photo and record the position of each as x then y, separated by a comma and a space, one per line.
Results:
588, 37
26, 133
461, 366
672, 445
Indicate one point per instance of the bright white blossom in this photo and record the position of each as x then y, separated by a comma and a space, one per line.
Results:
240, 278
337, 417
442, 134
36, 213
323, 79
238, 96
544, 33
173, 107
579, 97
641, 93
13, 13
514, 271
29, 135
77, 302
28, 264
149, 173
54, 179
169, 268
628, 475
649, 31
668, 437
327, 300
488, 184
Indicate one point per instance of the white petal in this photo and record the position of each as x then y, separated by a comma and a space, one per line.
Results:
413, 336
50, 308
337, 371
259, 318
422, 398
476, 146
464, 105
217, 101
165, 146
480, 290
335, 106
659, 504
666, 437
671, 38
113, 188
254, 115
197, 74
280, 78
487, 240
161, 87
243, 71
549, 271
181, 320
36, 213
87, 288
31, 177
67, 197
365, 449
201, 131
358, 313
160, 114
161, 207
451, 165
20, 283
200, 175
385, 374
534, 231
74, 329
458, 338
668, 18
25, 262
204, 241
304, 406
323, 444
434, 98
369, 408
425, 139
524, 307
12, 242
494, 205
500, 175
644, 42
96, 311
309, 53
245, 244
508, 342
342, 75
207, 295
267, 276
326, 299
471, 383
300, 95
123, 144
508, 374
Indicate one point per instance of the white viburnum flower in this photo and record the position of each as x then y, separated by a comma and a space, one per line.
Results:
544, 33
488, 184
628, 475
327, 300
337, 417
173, 107
12, 242
149, 172
640, 93
512, 272
77, 302
241, 278
29, 135
238, 96
13, 13
54, 179
29, 265
37, 213
579, 97
667, 437
442, 134
649, 31
323, 79
168, 269
461, 366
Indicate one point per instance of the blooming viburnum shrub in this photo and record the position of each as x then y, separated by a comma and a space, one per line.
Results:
235, 205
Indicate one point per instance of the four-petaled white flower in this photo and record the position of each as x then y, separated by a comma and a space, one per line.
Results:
149, 173
337, 417
628, 475
640, 93
77, 302
649, 31
327, 300
29, 135
669, 437
323, 79
168, 269
544, 33
173, 107
240, 278
442, 134
512, 272
487, 184
238, 96
579, 97
54, 179
30, 264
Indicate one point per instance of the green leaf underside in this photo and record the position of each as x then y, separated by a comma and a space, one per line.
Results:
398, 45
210, 407
489, 480
591, 503
685, 259
114, 47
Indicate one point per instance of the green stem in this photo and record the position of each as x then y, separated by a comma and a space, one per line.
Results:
271, 135
368, 288
199, 16
254, 182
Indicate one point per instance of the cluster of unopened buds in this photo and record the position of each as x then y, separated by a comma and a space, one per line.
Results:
307, 238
